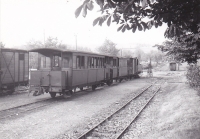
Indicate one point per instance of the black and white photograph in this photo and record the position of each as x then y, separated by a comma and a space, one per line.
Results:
99, 69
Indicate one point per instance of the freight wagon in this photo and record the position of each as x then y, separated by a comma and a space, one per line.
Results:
14, 69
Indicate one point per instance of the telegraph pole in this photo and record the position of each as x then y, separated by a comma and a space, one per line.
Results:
76, 40
44, 37
0, 20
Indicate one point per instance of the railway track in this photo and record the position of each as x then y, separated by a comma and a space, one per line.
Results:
7, 113
116, 124
14, 111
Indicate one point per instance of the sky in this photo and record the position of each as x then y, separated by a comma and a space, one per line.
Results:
26, 20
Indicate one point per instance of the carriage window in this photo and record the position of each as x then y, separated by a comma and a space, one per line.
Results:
78, 66
89, 63
117, 62
92, 62
66, 62
48, 62
56, 61
80, 62
97, 60
100, 66
111, 61
114, 62
107, 60
45, 62
103, 62
74, 62
95, 63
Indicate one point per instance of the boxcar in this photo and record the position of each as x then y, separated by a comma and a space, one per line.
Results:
14, 68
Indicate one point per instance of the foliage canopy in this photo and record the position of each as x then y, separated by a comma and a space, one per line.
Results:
181, 16
2, 45
49, 43
108, 47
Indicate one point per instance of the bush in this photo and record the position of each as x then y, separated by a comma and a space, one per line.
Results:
193, 76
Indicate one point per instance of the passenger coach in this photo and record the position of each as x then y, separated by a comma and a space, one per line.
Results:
61, 71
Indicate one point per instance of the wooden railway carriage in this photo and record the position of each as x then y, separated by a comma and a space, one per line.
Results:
14, 69
128, 68
123, 68
61, 71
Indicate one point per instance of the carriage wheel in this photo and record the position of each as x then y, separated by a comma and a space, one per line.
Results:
109, 82
81, 88
93, 87
68, 94
11, 91
52, 94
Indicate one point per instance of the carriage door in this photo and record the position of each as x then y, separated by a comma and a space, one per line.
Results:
107, 75
117, 67
45, 67
21, 67
130, 66
111, 67
56, 75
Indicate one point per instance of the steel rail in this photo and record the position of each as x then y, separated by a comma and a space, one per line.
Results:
12, 111
128, 125
27, 105
83, 135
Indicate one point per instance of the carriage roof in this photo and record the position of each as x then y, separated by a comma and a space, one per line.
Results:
50, 50
13, 50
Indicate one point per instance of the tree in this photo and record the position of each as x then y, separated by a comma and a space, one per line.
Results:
179, 52
85, 49
181, 16
127, 53
54, 43
157, 56
2, 45
49, 43
108, 47
32, 44
140, 54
